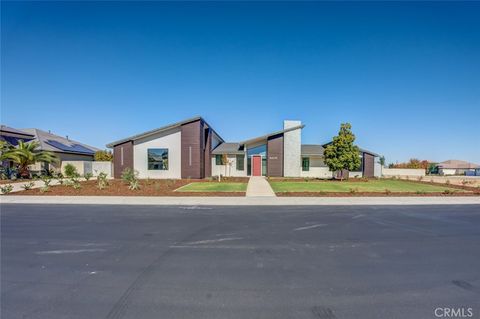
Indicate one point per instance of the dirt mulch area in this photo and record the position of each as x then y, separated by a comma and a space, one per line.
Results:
373, 194
11, 181
119, 188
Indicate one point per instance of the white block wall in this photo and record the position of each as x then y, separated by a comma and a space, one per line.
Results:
389, 172
292, 144
172, 140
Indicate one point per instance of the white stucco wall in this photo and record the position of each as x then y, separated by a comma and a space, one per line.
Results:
377, 168
389, 172
218, 170
317, 168
171, 140
292, 141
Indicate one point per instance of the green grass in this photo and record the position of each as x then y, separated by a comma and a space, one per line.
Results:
358, 186
213, 187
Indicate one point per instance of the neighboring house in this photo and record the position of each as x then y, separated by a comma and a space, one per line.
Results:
193, 149
457, 167
63, 147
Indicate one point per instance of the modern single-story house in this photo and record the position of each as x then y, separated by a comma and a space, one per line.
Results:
457, 167
64, 148
193, 149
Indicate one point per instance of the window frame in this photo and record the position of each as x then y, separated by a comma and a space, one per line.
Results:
238, 167
305, 168
218, 159
158, 169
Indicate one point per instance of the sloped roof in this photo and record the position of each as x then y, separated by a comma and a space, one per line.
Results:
161, 129
312, 149
263, 137
60, 144
228, 148
457, 164
8, 129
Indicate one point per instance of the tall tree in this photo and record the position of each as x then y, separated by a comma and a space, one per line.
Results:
27, 154
342, 154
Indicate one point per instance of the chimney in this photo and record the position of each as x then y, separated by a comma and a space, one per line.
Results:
292, 144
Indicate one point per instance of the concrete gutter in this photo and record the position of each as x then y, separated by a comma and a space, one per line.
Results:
238, 201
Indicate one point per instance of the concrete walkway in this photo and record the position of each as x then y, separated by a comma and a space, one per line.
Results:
258, 186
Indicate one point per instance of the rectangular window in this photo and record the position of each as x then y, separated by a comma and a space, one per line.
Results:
240, 162
218, 159
305, 164
121, 155
158, 159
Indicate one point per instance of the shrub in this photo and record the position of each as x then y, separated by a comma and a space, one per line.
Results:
419, 192
74, 182
387, 191
102, 181
134, 185
46, 180
129, 175
70, 170
45, 189
447, 191
353, 190
87, 176
6, 189
420, 178
28, 186
447, 182
103, 156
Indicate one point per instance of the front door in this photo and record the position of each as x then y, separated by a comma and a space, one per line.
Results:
256, 165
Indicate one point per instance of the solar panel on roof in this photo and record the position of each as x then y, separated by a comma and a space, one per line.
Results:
14, 140
69, 148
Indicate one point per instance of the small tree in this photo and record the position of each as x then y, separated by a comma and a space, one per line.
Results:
26, 154
342, 154
381, 161
103, 156
226, 162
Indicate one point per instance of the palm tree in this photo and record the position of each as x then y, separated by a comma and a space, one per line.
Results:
27, 154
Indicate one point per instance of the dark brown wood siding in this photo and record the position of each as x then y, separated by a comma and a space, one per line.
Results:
275, 156
368, 165
192, 150
208, 153
118, 165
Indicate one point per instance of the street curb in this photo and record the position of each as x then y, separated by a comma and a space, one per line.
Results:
237, 201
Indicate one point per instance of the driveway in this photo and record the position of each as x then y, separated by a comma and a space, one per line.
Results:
101, 261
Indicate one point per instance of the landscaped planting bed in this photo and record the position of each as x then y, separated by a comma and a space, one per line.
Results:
120, 188
213, 187
365, 187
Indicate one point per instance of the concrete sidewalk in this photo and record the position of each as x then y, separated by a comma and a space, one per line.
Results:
238, 201
258, 186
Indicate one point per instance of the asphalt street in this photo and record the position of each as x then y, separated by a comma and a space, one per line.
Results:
101, 261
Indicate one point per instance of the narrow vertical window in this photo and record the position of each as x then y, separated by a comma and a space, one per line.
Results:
305, 164
121, 155
218, 160
190, 155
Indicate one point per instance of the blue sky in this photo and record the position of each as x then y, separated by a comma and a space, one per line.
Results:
406, 75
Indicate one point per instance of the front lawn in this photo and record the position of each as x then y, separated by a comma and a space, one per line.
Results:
394, 186
213, 187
